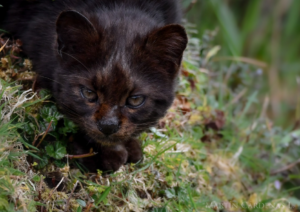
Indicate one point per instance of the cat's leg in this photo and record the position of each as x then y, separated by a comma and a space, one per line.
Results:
134, 149
111, 158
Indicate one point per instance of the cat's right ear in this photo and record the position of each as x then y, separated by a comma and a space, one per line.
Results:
168, 43
75, 34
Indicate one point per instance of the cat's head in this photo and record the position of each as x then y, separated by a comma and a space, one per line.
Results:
115, 81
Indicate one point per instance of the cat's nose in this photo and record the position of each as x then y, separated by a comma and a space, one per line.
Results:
108, 127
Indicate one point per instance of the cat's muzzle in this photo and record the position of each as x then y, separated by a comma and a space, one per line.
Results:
108, 127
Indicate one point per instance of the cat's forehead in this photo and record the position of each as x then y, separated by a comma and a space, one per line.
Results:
112, 73
112, 79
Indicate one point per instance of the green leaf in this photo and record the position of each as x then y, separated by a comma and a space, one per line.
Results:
81, 202
103, 196
50, 150
51, 114
4, 204
69, 127
170, 193
36, 178
1, 30
60, 163
293, 201
15, 172
229, 27
251, 18
33, 155
164, 209
44, 93
79, 209
56, 150
43, 162
27, 144
33, 102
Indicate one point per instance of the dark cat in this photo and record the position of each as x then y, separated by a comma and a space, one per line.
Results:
110, 64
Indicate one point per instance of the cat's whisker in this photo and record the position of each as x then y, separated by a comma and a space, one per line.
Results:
74, 59
49, 79
53, 81
145, 123
71, 115
75, 77
70, 110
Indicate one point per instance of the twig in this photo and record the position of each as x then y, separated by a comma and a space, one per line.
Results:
14, 177
4, 45
190, 6
286, 168
40, 195
51, 193
265, 107
237, 98
36, 137
81, 156
46, 132
296, 125
244, 60
25, 79
40, 189
89, 207
68, 201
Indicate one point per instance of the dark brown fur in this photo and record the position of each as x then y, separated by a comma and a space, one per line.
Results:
116, 48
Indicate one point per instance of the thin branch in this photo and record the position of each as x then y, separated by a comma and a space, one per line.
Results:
46, 132
51, 193
89, 207
286, 168
81, 156
68, 201
190, 6
4, 45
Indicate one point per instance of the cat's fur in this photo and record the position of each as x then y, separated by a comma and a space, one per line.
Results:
116, 48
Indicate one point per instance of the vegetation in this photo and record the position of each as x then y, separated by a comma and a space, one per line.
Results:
265, 30
216, 149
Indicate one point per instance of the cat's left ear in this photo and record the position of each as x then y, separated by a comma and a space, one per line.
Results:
75, 33
168, 43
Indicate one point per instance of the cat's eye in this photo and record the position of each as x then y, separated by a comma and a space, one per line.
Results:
135, 101
88, 94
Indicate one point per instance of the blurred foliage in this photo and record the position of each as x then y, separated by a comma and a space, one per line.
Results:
264, 30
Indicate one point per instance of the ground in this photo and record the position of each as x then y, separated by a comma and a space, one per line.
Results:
215, 150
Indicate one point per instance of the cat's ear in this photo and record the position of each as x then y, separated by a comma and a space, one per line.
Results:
168, 43
75, 33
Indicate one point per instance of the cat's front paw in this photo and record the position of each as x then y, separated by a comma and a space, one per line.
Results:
134, 149
111, 158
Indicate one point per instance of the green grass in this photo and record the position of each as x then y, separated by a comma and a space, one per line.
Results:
215, 149
262, 30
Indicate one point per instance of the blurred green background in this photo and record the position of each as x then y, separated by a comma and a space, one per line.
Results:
261, 32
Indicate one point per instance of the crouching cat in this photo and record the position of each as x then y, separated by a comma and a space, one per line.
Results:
110, 64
